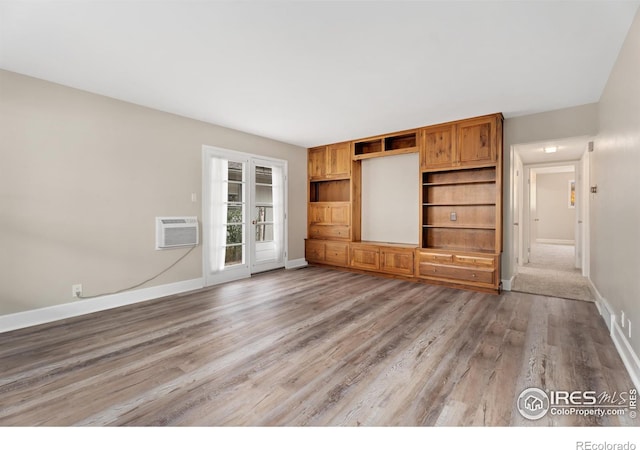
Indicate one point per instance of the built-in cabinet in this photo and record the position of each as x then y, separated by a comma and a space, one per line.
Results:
330, 161
460, 205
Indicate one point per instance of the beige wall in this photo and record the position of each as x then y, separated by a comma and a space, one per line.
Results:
559, 124
556, 220
615, 169
82, 178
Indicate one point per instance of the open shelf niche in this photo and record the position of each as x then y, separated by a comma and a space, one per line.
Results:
387, 145
329, 191
459, 210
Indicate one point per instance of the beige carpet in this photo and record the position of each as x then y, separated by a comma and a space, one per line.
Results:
552, 272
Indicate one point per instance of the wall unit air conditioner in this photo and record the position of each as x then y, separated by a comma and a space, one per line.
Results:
176, 232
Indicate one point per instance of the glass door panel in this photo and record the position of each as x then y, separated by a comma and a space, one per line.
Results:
267, 215
235, 251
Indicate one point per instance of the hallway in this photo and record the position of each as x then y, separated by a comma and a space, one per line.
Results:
551, 272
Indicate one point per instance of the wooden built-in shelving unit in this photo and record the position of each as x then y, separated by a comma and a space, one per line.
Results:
460, 205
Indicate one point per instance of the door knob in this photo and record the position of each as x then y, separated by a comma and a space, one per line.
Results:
253, 222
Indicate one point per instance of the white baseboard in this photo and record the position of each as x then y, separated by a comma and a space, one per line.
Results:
295, 263
66, 310
506, 284
626, 352
629, 357
556, 241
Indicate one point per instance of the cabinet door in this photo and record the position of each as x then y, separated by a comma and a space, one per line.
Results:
339, 160
397, 261
314, 251
337, 253
365, 257
477, 141
339, 214
438, 149
317, 162
319, 214
329, 214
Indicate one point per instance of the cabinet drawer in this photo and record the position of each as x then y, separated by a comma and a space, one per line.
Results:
337, 253
476, 261
436, 257
329, 231
456, 273
396, 261
314, 251
367, 258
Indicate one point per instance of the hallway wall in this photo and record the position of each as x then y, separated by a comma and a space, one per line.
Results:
615, 209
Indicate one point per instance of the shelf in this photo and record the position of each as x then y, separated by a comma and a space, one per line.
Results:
460, 176
321, 179
464, 251
401, 151
458, 204
453, 183
462, 227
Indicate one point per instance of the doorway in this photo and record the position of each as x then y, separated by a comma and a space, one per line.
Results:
244, 214
549, 238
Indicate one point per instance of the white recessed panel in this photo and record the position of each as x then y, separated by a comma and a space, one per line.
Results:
390, 188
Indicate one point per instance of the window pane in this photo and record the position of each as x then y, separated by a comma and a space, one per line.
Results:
264, 213
234, 234
264, 194
234, 214
263, 175
235, 171
233, 255
264, 233
235, 192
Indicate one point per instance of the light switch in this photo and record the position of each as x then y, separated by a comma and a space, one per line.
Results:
194, 197
453, 216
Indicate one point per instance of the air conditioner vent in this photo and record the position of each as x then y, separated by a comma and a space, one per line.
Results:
174, 232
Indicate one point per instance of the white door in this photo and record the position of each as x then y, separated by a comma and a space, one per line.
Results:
243, 215
268, 215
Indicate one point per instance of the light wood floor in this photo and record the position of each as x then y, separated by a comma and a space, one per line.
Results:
309, 347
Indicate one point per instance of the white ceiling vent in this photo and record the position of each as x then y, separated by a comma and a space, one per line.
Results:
176, 232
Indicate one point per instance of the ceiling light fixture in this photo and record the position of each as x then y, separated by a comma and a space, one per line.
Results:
550, 149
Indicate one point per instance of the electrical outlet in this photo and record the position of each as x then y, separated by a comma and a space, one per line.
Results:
76, 290
622, 319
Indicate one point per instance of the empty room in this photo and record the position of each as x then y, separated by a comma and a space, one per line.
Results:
319, 214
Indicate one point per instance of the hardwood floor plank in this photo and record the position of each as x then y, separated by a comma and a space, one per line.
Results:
309, 347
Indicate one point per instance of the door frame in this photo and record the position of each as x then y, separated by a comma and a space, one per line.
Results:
529, 188
243, 270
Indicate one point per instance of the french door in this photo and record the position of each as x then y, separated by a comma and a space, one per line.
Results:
243, 214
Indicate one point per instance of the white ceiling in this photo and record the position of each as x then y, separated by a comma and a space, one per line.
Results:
567, 150
311, 73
